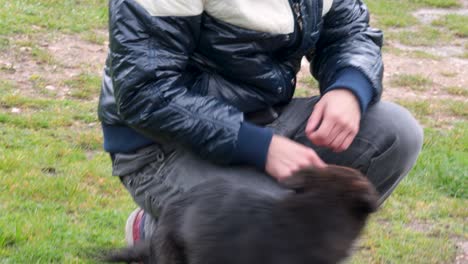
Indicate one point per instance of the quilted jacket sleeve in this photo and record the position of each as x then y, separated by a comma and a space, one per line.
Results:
149, 55
347, 43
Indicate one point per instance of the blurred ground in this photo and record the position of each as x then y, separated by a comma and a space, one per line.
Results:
58, 198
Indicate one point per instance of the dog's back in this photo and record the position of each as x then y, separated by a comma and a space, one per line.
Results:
218, 222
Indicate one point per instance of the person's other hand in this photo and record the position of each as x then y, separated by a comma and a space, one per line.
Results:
334, 122
286, 157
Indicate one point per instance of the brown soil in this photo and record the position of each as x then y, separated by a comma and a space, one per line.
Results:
436, 70
447, 72
427, 15
462, 254
67, 56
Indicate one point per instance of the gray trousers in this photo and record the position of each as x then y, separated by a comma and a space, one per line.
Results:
385, 149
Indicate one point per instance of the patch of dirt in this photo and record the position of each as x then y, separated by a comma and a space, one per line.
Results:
428, 228
66, 56
436, 70
455, 50
73, 53
462, 253
419, 226
427, 15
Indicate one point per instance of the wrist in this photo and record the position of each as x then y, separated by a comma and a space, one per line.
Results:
253, 143
344, 93
355, 82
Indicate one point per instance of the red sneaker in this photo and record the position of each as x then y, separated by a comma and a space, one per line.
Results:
134, 229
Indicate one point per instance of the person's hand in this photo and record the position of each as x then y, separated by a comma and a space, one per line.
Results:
334, 122
286, 157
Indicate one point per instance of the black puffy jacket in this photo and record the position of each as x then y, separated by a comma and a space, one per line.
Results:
188, 70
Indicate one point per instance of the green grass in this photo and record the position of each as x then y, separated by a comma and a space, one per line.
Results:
56, 182
427, 212
422, 36
4, 43
445, 159
458, 108
94, 37
438, 113
412, 81
84, 86
303, 92
421, 108
420, 54
410, 31
438, 3
457, 90
42, 56
397, 13
307, 87
310, 82
456, 23
392, 13
448, 74
37, 81
70, 16
59, 201
465, 54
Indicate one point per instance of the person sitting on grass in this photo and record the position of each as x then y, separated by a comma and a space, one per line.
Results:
201, 89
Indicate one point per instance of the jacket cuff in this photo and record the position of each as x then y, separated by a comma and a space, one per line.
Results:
252, 145
356, 82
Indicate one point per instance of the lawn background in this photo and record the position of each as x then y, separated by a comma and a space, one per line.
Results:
58, 200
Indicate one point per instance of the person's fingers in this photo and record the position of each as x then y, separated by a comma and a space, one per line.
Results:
303, 162
287, 157
320, 136
284, 173
290, 170
315, 118
347, 141
281, 170
342, 129
315, 160
334, 133
337, 143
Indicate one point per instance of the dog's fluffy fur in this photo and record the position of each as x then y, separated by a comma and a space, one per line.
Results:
218, 223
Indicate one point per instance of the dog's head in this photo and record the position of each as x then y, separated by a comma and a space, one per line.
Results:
338, 184
330, 206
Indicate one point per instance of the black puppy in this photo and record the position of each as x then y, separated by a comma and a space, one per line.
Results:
218, 223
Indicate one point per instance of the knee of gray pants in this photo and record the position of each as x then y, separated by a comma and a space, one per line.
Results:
401, 138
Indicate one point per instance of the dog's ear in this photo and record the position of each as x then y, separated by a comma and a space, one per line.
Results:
359, 192
364, 198
365, 204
